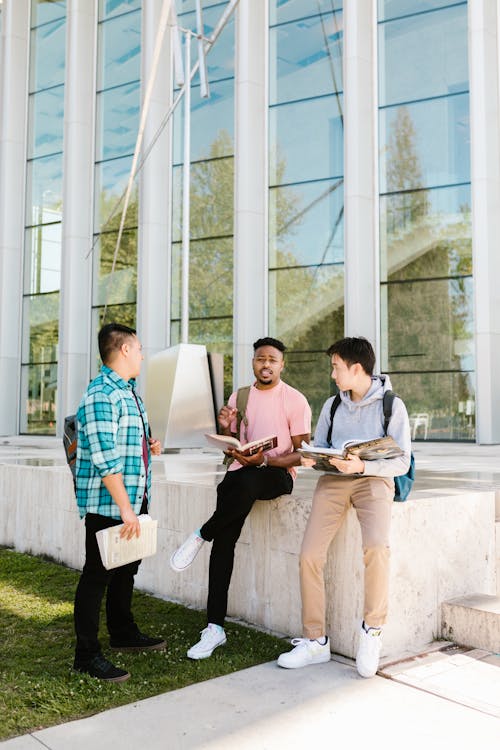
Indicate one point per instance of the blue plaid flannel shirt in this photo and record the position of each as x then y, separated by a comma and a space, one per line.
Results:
110, 431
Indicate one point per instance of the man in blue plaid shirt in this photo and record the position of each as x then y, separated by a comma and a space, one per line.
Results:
113, 483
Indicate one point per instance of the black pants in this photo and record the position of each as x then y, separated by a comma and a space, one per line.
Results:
236, 495
90, 591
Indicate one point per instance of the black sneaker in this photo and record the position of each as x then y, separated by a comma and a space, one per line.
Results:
139, 642
102, 669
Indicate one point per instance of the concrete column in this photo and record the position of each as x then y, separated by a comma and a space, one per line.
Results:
251, 184
360, 173
78, 162
13, 106
485, 178
154, 282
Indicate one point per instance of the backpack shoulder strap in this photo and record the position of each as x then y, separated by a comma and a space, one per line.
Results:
387, 403
334, 407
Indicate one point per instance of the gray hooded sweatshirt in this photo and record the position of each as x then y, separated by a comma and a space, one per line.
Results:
364, 420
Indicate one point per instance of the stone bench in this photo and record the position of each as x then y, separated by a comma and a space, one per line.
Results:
443, 547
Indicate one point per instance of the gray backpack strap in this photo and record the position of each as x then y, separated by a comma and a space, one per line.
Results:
242, 395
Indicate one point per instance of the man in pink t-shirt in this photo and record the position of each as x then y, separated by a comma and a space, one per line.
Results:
273, 408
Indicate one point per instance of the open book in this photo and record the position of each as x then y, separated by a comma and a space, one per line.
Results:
116, 551
227, 442
367, 450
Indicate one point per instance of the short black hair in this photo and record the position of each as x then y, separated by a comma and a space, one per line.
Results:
268, 341
111, 337
354, 350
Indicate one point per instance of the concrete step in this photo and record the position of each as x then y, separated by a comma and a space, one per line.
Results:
473, 621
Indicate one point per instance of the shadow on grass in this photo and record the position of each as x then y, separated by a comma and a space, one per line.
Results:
38, 686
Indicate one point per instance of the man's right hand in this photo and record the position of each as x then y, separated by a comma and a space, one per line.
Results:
131, 524
226, 416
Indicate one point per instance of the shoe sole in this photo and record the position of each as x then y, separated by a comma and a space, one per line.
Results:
121, 678
157, 647
205, 654
176, 568
321, 660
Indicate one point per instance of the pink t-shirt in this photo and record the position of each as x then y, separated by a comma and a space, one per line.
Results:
282, 411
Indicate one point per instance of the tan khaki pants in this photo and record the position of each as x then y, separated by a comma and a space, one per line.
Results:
372, 498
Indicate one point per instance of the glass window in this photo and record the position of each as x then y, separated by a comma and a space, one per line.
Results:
185, 6
281, 11
306, 58
220, 59
39, 395
441, 405
110, 8
42, 271
431, 325
46, 123
304, 303
212, 124
210, 278
425, 144
426, 234
44, 11
111, 178
119, 51
41, 331
44, 190
121, 286
117, 121
423, 56
211, 209
313, 148
48, 55
394, 8
306, 224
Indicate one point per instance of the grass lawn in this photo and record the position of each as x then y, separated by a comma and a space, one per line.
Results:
38, 687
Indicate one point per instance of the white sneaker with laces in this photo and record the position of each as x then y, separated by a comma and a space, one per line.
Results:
368, 656
185, 554
211, 637
305, 652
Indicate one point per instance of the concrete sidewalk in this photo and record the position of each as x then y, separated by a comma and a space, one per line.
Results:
268, 708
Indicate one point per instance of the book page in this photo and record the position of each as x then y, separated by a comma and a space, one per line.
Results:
116, 551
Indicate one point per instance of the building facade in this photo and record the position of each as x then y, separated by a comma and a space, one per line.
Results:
344, 180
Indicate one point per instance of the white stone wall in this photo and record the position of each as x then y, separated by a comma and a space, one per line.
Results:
442, 547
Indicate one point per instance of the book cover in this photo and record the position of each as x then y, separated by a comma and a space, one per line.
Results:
116, 551
227, 442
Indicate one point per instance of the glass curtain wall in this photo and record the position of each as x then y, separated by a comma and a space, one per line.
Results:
211, 195
114, 289
42, 248
306, 204
425, 224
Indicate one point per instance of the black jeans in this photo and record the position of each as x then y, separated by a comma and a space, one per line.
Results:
90, 591
236, 495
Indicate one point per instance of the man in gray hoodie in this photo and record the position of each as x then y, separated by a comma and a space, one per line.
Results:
368, 487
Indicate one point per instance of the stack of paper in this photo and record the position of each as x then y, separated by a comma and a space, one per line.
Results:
116, 550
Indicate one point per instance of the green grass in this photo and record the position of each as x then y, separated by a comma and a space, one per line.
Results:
38, 687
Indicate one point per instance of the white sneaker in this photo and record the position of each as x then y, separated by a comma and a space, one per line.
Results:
368, 656
305, 652
211, 637
185, 554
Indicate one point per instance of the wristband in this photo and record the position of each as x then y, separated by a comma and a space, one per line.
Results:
264, 462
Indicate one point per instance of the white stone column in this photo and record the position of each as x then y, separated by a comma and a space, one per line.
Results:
251, 184
78, 164
13, 108
360, 171
154, 257
485, 179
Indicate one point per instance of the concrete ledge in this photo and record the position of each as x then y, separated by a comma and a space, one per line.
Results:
443, 547
473, 621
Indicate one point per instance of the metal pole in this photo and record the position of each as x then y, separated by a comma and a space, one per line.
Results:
186, 182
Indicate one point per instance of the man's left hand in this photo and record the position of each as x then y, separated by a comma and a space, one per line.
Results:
349, 465
155, 447
254, 460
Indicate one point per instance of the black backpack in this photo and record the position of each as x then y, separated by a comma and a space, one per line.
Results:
403, 483
70, 442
